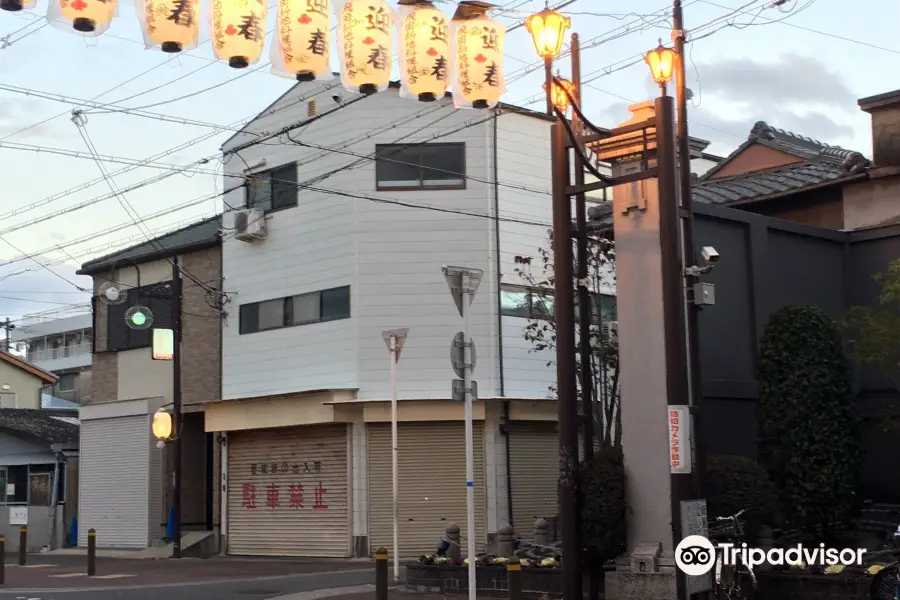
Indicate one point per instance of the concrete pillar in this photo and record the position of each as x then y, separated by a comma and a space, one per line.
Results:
505, 541
542, 535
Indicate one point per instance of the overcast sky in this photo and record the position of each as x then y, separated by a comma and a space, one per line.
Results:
801, 67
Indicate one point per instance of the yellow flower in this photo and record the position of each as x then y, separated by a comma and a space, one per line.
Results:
874, 569
834, 569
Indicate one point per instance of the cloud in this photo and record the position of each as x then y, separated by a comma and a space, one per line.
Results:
40, 290
14, 117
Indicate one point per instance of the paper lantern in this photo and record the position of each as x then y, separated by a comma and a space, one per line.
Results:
238, 31
173, 25
88, 17
14, 5
365, 44
478, 80
302, 46
424, 51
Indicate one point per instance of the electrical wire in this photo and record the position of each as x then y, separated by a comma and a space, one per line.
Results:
36, 261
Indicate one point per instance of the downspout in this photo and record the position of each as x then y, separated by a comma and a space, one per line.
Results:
497, 255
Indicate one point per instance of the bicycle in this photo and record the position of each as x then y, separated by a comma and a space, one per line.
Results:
733, 581
886, 583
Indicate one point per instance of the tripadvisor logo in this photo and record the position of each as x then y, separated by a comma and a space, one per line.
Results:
695, 555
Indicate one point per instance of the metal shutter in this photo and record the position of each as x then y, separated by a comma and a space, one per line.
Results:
287, 492
431, 477
534, 473
114, 481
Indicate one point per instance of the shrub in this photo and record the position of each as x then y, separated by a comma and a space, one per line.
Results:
603, 508
807, 429
735, 483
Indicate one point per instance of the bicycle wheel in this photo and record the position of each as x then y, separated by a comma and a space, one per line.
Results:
886, 584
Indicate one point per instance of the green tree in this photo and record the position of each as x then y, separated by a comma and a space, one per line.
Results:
604, 366
807, 429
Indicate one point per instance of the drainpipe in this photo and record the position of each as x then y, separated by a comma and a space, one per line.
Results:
506, 420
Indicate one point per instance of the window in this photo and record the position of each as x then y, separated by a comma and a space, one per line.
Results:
31, 484
158, 298
16, 478
303, 309
66, 383
420, 166
40, 485
520, 301
273, 190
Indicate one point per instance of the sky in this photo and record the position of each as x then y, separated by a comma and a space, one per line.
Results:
800, 66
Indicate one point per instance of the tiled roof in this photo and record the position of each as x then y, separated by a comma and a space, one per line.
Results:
46, 426
205, 232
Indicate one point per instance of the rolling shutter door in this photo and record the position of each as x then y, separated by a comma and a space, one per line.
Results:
431, 476
534, 473
287, 492
114, 482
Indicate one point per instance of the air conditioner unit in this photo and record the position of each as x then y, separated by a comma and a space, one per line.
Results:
611, 328
248, 225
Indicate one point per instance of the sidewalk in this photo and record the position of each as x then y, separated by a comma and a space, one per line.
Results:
61, 572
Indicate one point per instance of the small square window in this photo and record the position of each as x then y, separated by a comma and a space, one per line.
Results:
420, 166
307, 308
271, 314
336, 303
274, 189
514, 302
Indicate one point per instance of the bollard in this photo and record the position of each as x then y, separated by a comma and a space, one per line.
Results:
2, 559
505, 541
381, 574
514, 570
92, 553
542, 533
23, 545
454, 553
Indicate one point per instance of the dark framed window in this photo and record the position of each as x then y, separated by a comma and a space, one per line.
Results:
530, 303
291, 311
273, 190
420, 167
119, 336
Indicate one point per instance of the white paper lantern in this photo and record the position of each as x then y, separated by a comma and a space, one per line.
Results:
171, 25
16, 5
87, 17
302, 47
424, 51
238, 30
477, 46
365, 44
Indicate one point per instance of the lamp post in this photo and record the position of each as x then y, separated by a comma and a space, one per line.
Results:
661, 61
548, 30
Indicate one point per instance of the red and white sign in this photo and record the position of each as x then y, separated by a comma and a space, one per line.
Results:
679, 439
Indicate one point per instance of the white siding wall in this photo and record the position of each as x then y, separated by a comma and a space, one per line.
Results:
523, 145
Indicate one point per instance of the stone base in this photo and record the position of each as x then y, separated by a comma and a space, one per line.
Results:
645, 574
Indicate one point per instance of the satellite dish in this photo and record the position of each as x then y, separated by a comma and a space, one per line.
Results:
139, 317
112, 293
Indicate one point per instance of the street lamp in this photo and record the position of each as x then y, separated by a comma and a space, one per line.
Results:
548, 30
661, 61
560, 93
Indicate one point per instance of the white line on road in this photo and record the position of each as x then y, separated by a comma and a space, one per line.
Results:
327, 593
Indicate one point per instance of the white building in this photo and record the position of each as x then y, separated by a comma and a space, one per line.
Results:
349, 247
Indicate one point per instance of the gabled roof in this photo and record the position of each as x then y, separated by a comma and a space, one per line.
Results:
194, 237
41, 426
15, 361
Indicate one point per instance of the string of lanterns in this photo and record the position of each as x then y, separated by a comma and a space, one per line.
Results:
463, 54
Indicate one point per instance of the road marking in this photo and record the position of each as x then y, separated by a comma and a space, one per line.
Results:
32, 566
69, 575
114, 576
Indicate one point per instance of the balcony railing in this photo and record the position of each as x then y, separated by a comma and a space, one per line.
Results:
61, 352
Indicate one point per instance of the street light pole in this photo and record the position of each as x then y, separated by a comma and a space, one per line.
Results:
176, 407
395, 338
548, 79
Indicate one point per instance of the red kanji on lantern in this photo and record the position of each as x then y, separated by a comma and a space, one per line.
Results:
296, 491
272, 495
320, 497
249, 495
231, 30
79, 4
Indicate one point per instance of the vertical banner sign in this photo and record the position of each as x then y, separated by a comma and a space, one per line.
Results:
679, 439
365, 44
163, 344
302, 46
478, 80
238, 30
424, 52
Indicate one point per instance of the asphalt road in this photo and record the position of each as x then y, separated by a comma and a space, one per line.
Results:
243, 589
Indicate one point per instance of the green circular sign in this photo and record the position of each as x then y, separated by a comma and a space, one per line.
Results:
138, 318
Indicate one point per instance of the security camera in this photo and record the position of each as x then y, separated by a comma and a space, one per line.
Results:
709, 254
337, 98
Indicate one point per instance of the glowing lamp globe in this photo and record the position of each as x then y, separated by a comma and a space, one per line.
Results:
138, 317
90, 17
171, 25
301, 47
424, 51
661, 61
559, 96
365, 44
162, 425
238, 31
548, 31
478, 80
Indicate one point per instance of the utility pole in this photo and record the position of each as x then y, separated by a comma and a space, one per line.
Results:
176, 407
395, 338
8, 326
464, 284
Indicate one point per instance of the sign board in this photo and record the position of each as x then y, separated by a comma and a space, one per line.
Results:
458, 356
679, 439
163, 344
18, 515
695, 521
400, 334
454, 277
459, 390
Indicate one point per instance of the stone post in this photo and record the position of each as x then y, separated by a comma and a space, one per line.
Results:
454, 553
542, 533
505, 541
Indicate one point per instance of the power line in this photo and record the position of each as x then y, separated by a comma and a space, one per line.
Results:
36, 261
